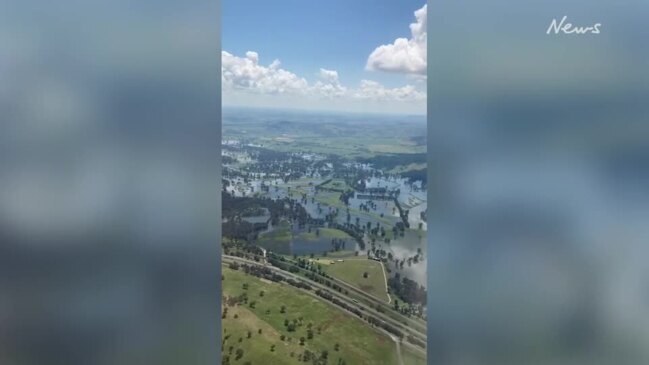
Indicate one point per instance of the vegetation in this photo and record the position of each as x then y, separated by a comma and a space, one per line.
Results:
352, 271
328, 201
389, 161
408, 289
325, 325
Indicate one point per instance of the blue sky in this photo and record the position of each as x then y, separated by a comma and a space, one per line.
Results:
306, 36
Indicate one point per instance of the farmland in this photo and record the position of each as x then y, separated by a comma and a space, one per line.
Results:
352, 271
358, 343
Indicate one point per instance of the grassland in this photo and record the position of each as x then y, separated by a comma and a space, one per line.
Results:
279, 239
411, 357
335, 255
324, 234
329, 198
410, 167
390, 147
337, 184
352, 270
352, 139
357, 342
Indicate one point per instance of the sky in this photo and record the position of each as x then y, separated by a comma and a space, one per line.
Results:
363, 56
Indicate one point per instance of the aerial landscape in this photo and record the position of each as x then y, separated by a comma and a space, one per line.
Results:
324, 228
324, 208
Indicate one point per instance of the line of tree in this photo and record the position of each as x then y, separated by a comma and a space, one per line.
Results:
390, 161
417, 175
408, 290
402, 213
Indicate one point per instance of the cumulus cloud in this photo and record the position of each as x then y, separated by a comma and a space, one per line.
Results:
373, 90
329, 75
329, 85
404, 55
245, 73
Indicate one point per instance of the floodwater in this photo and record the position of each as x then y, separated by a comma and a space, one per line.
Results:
411, 197
298, 245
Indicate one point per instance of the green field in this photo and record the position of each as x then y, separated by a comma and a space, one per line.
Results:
409, 167
355, 139
325, 234
278, 239
358, 342
329, 198
352, 270
337, 184
342, 254
411, 357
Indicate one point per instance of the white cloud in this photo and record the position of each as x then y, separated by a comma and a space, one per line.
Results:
329, 75
244, 75
252, 56
375, 91
240, 73
329, 86
404, 55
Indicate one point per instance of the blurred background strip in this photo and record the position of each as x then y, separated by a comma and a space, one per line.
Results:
539, 193
109, 182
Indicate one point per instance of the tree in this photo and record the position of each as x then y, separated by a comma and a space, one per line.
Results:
249, 334
306, 357
272, 348
365, 274
239, 354
302, 339
282, 309
337, 347
261, 293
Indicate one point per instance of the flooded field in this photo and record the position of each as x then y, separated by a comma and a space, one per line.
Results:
362, 209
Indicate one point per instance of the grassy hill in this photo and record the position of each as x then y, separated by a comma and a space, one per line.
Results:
357, 342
